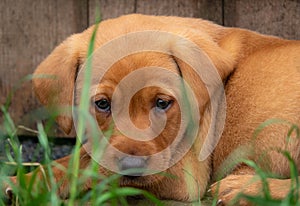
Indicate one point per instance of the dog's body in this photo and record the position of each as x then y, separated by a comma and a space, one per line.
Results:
261, 75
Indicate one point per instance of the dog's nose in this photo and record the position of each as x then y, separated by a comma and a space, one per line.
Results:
135, 165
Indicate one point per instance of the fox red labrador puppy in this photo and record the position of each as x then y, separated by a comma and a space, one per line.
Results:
259, 75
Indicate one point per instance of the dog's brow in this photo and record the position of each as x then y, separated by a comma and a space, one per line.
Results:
102, 88
178, 67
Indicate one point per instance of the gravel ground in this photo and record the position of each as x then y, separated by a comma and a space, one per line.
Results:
33, 152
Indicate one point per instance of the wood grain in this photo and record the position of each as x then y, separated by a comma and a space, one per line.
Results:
279, 18
29, 32
210, 10
110, 9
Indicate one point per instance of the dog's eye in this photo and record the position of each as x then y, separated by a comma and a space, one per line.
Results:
163, 104
103, 105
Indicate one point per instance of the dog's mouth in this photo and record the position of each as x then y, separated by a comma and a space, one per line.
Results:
139, 181
129, 180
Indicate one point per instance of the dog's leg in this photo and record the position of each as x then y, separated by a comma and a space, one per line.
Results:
246, 182
40, 176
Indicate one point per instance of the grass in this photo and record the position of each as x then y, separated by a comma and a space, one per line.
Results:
105, 190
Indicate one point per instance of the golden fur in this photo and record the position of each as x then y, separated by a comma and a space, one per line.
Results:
262, 81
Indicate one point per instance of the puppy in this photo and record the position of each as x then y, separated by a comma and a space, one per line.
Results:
259, 75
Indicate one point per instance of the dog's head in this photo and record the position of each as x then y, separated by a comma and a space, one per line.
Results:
146, 90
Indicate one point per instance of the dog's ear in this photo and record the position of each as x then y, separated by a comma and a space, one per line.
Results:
54, 80
203, 63
205, 66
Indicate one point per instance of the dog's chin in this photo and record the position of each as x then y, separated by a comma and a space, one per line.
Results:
140, 181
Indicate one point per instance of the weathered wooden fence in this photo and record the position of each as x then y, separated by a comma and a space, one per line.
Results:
30, 29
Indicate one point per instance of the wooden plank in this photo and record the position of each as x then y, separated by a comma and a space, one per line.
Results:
210, 10
280, 18
29, 32
110, 9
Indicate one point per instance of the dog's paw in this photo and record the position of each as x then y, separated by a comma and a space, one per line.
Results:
8, 193
228, 189
6, 190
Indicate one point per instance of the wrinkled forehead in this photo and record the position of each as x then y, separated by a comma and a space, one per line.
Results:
135, 72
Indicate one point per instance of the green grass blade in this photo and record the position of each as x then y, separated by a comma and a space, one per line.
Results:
83, 108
